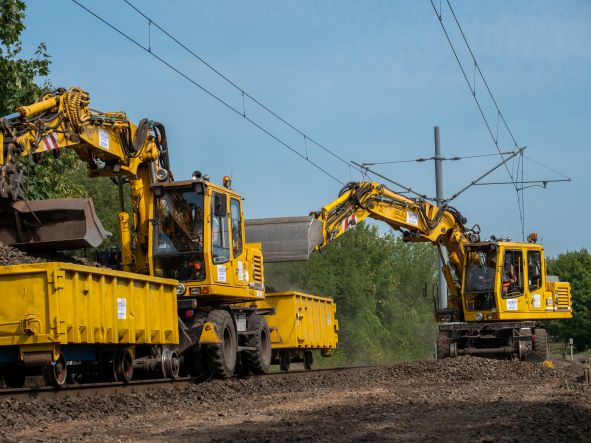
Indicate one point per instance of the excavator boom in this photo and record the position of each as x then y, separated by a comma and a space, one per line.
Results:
110, 145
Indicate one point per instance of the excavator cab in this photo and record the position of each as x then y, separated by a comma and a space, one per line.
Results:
507, 281
198, 239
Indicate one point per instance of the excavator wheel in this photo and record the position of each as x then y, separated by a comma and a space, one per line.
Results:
221, 358
540, 348
259, 360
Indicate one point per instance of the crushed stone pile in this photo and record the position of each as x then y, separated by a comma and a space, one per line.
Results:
12, 256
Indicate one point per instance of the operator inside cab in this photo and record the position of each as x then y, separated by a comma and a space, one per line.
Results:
512, 275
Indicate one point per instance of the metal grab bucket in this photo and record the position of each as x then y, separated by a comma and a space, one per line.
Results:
285, 238
56, 224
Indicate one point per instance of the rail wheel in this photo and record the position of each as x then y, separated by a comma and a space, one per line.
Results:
540, 348
56, 373
522, 350
308, 360
221, 358
284, 360
15, 378
259, 360
443, 345
123, 366
171, 364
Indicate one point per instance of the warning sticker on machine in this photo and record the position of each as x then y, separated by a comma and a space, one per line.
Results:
103, 138
536, 301
412, 218
121, 308
512, 304
221, 273
240, 270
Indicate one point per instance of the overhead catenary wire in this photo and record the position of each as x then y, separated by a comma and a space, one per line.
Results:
472, 88
240, 89
425, 159
500, 116
150, 51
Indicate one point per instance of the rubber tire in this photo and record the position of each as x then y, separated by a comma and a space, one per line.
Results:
284, 361
541, 351
308, 360
15, 378
443, 346
221, 358
259, 361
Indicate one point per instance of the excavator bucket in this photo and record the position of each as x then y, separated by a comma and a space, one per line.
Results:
285, 238
53, 224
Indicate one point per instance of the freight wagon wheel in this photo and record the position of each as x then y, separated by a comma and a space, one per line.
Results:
284, 361
15, 378
221, 358
56, 373
123, 366
308, 360
258, 361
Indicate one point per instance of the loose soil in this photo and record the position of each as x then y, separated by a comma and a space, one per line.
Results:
464, 399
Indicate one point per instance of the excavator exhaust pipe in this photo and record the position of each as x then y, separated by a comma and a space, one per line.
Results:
56, 224
285, 238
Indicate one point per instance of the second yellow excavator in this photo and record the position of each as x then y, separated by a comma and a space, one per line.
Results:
498, 289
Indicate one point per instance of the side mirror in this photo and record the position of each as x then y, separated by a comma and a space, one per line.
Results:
219, 205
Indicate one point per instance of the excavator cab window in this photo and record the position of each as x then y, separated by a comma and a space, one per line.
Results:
512, 279
480, 279
236, 227
534, 270
178, 234
220, 238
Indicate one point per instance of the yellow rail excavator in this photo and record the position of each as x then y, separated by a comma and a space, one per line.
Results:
190, 231
498, 289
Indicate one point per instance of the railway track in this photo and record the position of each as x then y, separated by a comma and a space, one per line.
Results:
136, 386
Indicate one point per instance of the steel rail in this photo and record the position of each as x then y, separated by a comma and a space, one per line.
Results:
137, 386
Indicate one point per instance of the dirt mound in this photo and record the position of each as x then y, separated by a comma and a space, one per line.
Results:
464, 399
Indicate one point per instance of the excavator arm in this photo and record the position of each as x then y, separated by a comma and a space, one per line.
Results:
419, 221
110, 145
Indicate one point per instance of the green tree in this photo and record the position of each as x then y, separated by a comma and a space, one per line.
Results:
575, 267
18, 75
19, 79
22, 81
376, 281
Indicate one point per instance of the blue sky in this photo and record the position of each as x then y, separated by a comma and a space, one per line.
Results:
369, 79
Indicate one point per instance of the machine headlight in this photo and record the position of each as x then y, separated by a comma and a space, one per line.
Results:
479, 316
180, 289
195, 291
